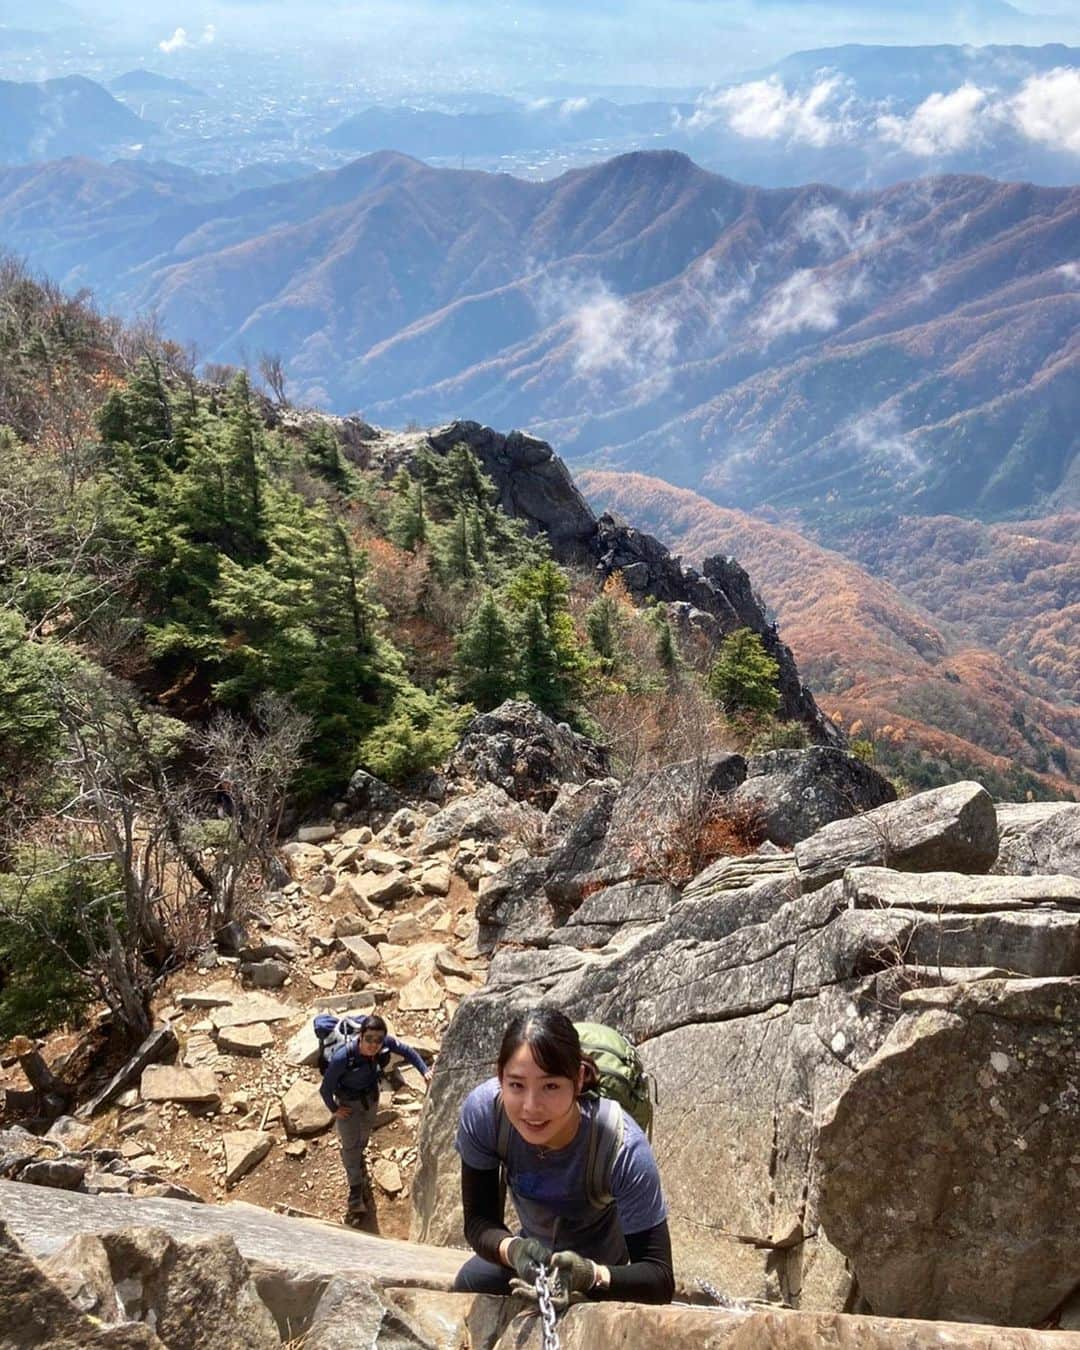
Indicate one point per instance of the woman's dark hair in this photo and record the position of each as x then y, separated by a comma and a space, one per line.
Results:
373, 1022
553, 1043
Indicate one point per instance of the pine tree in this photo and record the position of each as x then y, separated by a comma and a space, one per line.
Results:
667, 654
324, 455
538, 662
603, 623
408, 526
456, 562
485, 656
743, 676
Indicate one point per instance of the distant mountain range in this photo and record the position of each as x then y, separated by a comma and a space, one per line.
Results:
69, 116
958, 644
803, 347
857, 116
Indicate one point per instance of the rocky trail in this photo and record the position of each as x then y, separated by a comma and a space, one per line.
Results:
863, 1034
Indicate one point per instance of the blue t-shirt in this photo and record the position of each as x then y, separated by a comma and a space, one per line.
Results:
548, 1186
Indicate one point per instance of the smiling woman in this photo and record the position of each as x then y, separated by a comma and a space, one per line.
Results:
581, 1173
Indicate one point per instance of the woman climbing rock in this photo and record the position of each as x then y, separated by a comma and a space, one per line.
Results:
355, 1053
580, 1170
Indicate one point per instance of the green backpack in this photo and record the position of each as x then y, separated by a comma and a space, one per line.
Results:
622, 1076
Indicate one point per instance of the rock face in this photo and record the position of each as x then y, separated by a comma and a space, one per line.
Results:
756, 997
949, 829
487, 814
534, 485
1039, 837
797, 792
973, 1215
521, 750
254, 1280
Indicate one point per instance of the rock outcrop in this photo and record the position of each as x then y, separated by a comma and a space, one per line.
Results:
522, 751
535, 486
758, 996
1038, 837
796, 792
948, 1169
101, 1278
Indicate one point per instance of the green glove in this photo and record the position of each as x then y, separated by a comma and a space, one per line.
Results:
527, 1255
576, 1276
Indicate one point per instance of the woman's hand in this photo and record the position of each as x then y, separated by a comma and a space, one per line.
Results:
343, 1113
576, 1276
527, 1255
429, 1075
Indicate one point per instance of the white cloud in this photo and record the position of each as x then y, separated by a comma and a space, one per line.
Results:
181, 40
876, 436
1071, 272
764, 110
940, 125
807, 300
1047, 108
176, 43
610, 335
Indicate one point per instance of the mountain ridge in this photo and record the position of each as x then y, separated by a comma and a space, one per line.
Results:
804, 345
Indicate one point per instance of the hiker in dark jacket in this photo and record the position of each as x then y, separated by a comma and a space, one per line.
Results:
610, 1242
350, 1089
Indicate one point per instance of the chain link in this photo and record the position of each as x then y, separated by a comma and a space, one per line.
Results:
548, 1331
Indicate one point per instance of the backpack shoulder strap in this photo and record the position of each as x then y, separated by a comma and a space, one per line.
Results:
502, 1148
605, 1140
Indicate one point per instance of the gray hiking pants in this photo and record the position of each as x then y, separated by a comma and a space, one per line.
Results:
353, 1133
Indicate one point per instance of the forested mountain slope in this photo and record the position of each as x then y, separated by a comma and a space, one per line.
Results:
964, 652
805, 346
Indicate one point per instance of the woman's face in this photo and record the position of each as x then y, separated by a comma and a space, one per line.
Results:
371, 1042
541, 1106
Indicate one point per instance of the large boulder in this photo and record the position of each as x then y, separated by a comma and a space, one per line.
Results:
159, 1281
793, 793
35, 1312
486, 814
948, 1166
754, 1005
521, 750
948, 829
644, 829
1039, 837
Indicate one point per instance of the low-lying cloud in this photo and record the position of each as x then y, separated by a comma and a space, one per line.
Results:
941, 125
1045, 109
181, 40
807, 301
765, 110
611, 335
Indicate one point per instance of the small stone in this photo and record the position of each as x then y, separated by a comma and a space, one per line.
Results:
249, 1040
296, 1148
422, 994
315, 834
170, 1083
406, 929
448, 963
325, 980
361, 953
387, 1176
243, 1150
304, 1110
358, 837
384, 861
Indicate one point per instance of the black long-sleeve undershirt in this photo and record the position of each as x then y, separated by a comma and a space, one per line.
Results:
646, 1278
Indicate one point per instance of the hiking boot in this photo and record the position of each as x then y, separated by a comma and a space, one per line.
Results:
357, 1206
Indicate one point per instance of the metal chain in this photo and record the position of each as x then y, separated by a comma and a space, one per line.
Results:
548, 1332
